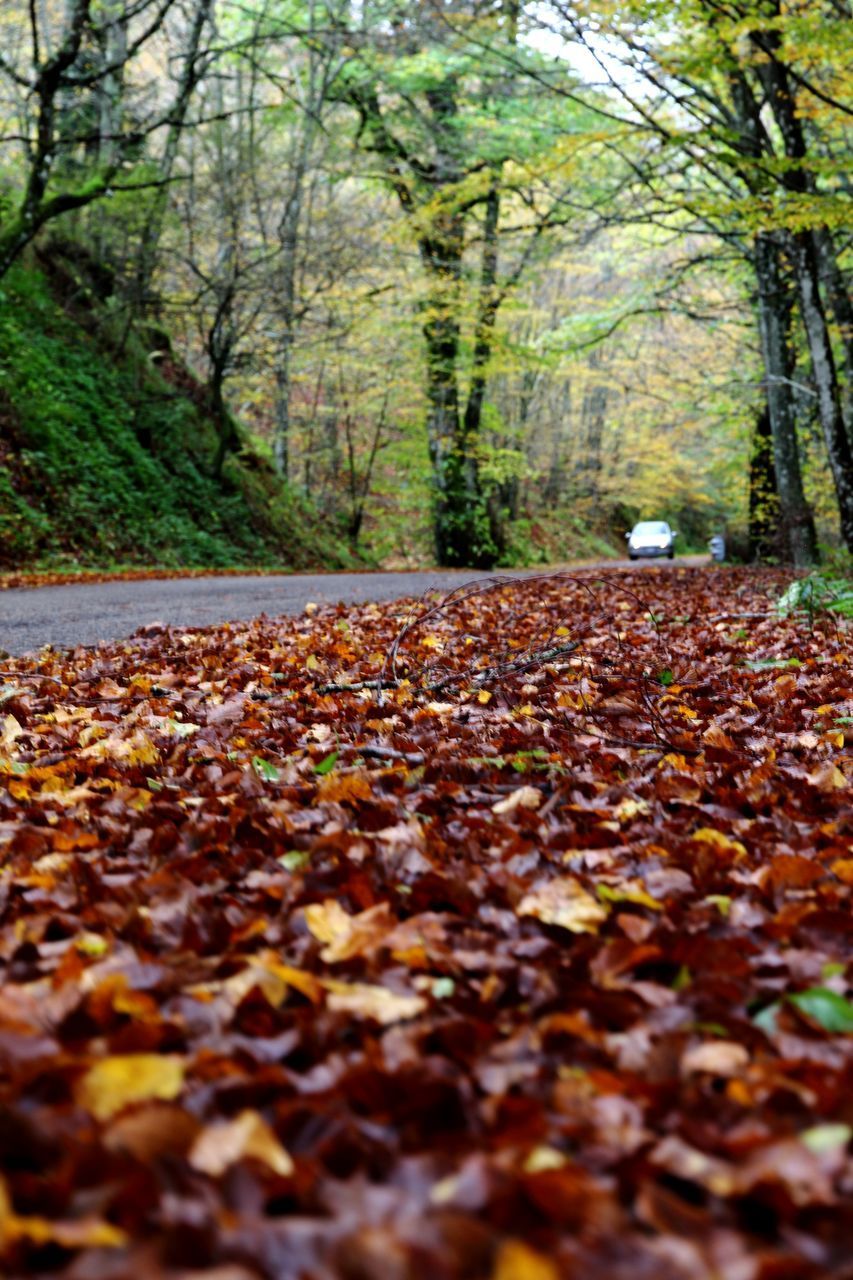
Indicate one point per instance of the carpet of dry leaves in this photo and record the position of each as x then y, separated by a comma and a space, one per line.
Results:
61, 578
532, 964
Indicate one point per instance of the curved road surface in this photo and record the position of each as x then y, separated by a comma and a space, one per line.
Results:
84, 613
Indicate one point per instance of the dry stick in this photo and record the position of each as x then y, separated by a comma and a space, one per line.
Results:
735, 617
390, 753
358, 686
34, 675
512, 668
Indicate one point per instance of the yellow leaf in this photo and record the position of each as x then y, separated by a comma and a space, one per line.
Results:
517, 1261
432, 642
116, 1082
91, 944
828, 777
133, 750
246, 1136
336, 788
564, 902
312, 663
843, 868
345, 935
716, 737
363, 1000
629, 809
82, 1233
305, 983
521, 798
10, 732
630, 891
484, 696
716, 1057
91, 733
544, 1158
719, 841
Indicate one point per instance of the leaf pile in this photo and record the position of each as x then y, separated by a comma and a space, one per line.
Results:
541, 974
60, 578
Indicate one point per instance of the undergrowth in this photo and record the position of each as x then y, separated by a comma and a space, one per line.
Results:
103, 460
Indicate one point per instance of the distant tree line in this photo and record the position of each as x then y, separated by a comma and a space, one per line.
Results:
503, 260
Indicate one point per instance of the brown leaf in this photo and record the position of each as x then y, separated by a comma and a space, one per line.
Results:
246, 1136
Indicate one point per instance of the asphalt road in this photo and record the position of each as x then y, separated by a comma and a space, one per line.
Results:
84, 613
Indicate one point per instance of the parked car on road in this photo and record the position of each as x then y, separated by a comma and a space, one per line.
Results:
651, 538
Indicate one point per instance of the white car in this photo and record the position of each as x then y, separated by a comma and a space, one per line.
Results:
651, 538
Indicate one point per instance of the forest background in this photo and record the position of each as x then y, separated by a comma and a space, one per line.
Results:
468, 282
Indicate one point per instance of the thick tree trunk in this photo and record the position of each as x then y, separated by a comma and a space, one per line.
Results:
484, 336
773, 320
764, 524
838, 298
451, 507
826, 380
461, 520
798, 177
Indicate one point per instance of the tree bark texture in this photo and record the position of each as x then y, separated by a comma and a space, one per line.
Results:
774, 306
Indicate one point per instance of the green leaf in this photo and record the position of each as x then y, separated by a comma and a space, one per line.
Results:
295, 859
771, 664
765, 1019
443, 987
181, 728
327, 765
826, 1137
666, 677
682, 979
830, 1010
264, 769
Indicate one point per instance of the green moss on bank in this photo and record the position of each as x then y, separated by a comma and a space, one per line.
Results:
106, 457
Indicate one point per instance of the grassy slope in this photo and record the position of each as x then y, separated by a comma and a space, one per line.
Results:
105, 461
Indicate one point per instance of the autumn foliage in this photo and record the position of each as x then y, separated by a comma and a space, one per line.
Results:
524, 958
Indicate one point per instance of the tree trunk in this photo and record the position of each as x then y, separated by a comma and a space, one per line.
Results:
484, 336
826, 380
773, 319
764, 524
798, 178
460, 516
838, 297
281, 438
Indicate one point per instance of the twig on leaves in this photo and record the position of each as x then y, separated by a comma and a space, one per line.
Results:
29, 675
530, 660
737, 617
358, 686
391, 753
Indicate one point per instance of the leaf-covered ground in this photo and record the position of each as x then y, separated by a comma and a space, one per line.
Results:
533, 964
60, 578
